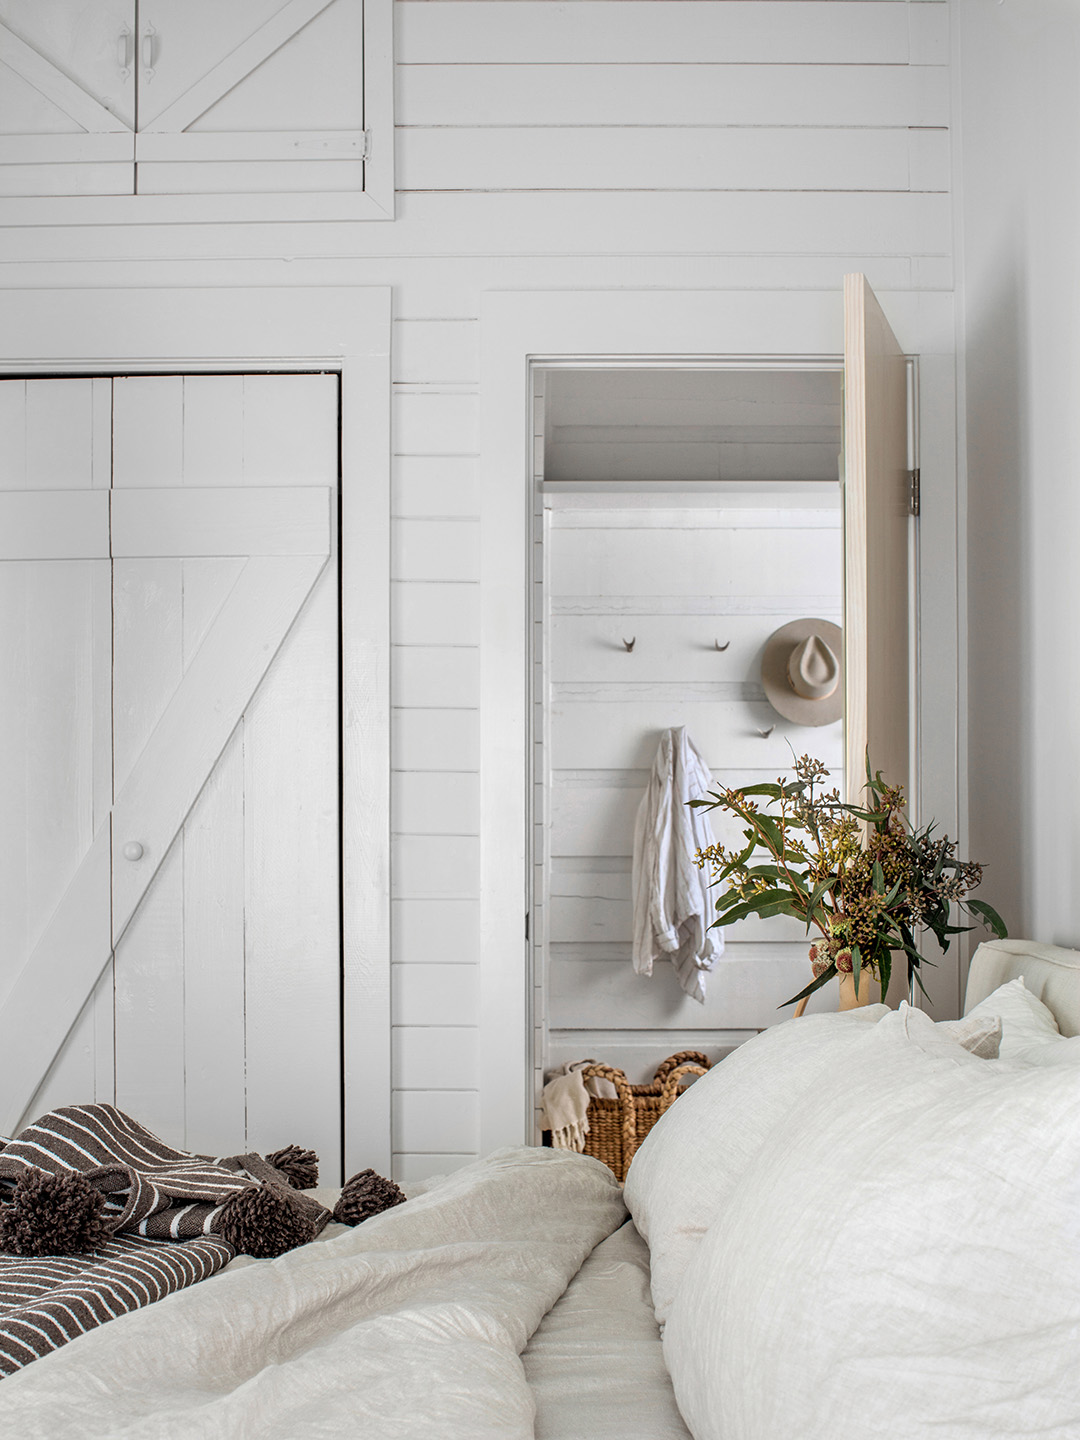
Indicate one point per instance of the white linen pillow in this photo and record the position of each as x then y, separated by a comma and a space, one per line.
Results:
1029, 1032
681, 1177
690, 1161
901, 1259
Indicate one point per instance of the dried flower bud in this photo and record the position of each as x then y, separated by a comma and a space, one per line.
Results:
844, 962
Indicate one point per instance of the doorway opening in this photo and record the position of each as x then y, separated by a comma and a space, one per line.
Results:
682, 512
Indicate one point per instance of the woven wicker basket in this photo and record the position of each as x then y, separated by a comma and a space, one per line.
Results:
617, 1127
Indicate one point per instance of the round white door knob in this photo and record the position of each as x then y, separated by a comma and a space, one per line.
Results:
133, 850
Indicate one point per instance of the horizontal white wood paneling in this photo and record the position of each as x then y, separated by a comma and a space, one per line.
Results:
54, 525
434, 994
430, 350
445, 931
432, 804
435, 865
433, 1057
601, 158
684, 94
436, 550
427, 486
436, 1120
434, 739
743, 993
726, 733
434, 422
795, 32
434, 614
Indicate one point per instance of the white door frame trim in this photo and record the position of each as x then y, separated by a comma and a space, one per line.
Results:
346, 330
594, 328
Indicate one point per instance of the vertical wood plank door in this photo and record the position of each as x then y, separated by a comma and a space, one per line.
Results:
876, 521
210, 1006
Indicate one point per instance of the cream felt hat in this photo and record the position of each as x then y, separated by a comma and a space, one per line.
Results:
802, 671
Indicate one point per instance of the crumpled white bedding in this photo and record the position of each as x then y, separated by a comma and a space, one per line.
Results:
596, 1366
407, 1328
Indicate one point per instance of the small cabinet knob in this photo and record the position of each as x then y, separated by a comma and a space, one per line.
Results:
133, 850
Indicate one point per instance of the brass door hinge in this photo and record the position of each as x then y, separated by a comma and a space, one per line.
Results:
915, 497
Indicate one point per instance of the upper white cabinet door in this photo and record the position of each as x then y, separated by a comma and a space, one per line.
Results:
876, 526
171, 884
257, 96
235, 107
67, 97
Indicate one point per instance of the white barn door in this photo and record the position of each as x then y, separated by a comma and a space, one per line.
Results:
170, 755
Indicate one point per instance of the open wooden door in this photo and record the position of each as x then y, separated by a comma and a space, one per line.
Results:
877, 494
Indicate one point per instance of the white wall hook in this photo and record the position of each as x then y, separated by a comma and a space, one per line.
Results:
721, 647
133, 850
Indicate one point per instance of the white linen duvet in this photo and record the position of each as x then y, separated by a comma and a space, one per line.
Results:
410, 1326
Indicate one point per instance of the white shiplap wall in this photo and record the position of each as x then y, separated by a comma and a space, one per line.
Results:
648, 144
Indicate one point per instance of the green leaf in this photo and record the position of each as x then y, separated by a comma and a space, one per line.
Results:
856, 967
821, 980
878, 878
990, 917
771, 830
816, 897
765, 788
885, 963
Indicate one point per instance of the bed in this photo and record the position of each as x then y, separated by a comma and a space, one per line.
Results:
856, 1225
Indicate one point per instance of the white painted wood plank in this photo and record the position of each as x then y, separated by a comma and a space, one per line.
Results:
149, 970
204, 709
217, 146
668, 649
76, 942
51, 81
213, 429
677, 461
429, 866
742, 562
252, 51
434, 614
291, 429
101, 433
432, 994
54, 525
429, 931
148, 430
59, 429
604, 157
291, 922
740, 993
255, 177
427, 351
435, 739
681, 94
77, 178
608, 31
434, 423
592, 906
559, 224
928, 34
71, 1078
13, 434
268, 520
214, 970
428, 675
436, 1120
713, 606
435, 1057
435, 550
429, 486
726, 734
432, 804
63, 151
416, 1170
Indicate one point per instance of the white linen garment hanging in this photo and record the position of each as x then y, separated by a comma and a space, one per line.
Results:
672, 907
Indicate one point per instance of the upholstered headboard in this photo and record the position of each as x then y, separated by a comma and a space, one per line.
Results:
1050, 972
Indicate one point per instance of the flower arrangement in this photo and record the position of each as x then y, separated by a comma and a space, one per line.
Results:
864, 877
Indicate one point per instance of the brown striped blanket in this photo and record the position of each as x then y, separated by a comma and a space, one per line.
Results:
155, 1232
